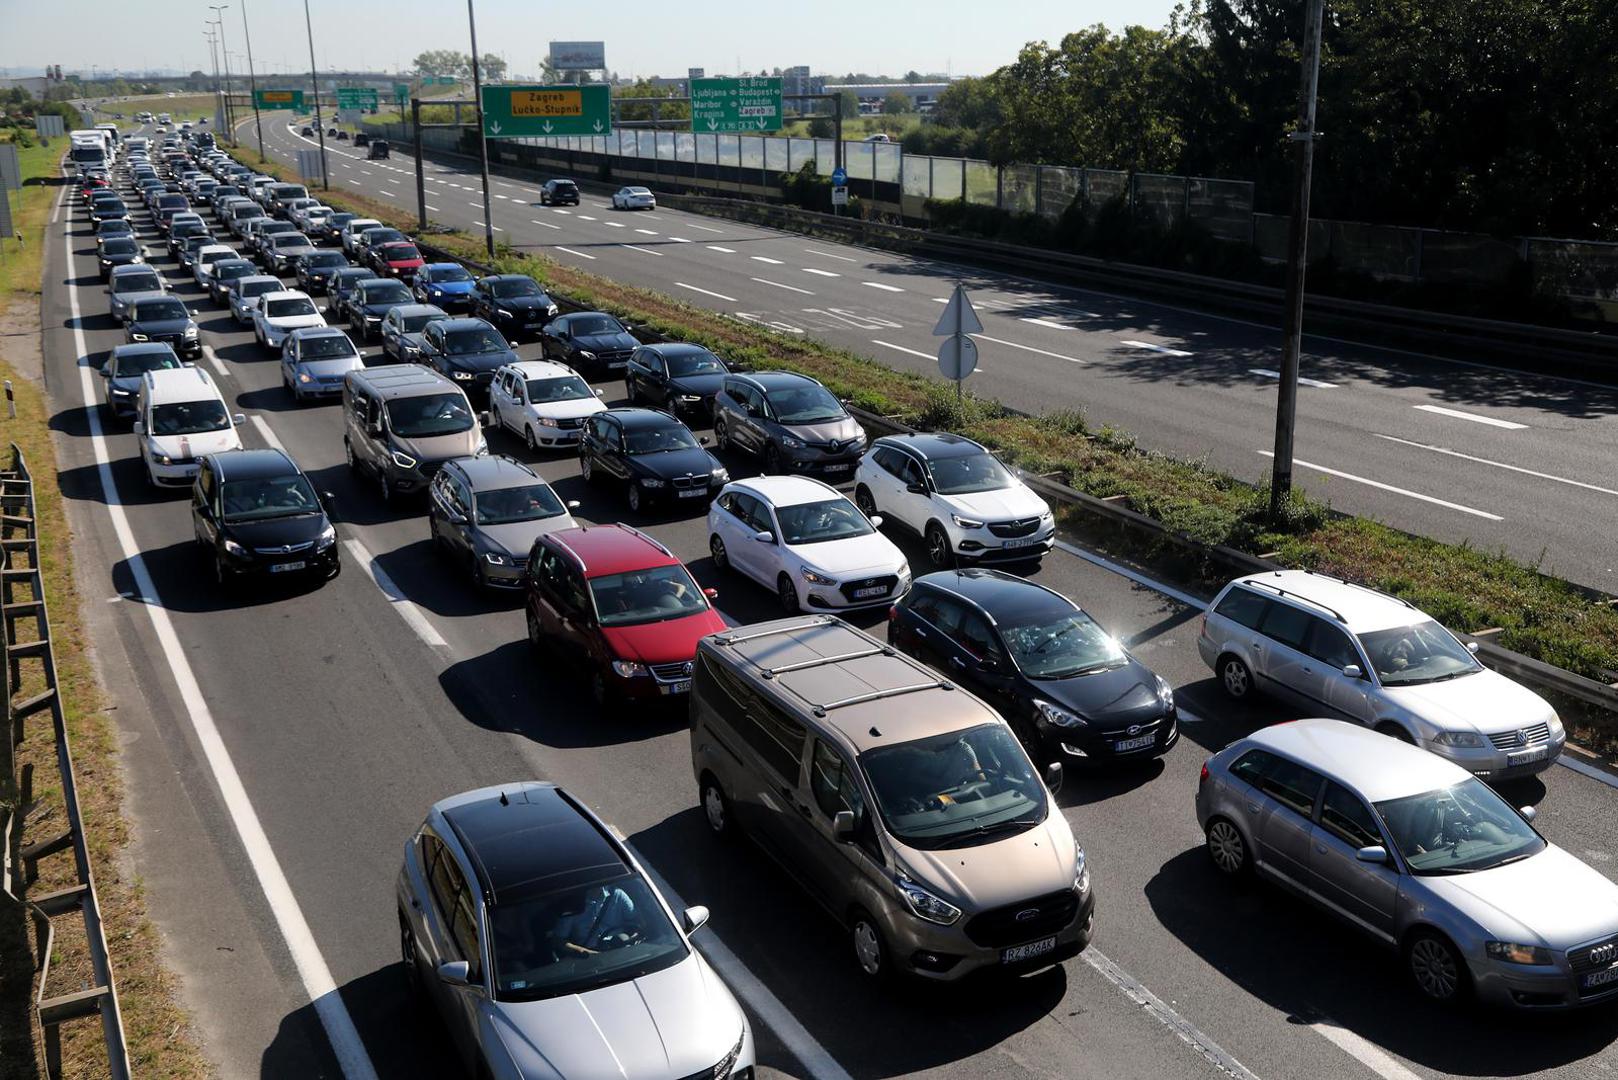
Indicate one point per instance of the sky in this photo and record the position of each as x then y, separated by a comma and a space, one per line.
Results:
881, 37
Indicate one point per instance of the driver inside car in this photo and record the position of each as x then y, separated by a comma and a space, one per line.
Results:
606, 920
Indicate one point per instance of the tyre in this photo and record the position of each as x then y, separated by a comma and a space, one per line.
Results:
631, 395
939, 552
870, 951
715, 807
865, 501
383, 486
721, 436
536, 634
788, 594
772, 460
716, 548
348, 452
533, 443
412, 966
586, 469
1235, 677
600, 692
221, 576
634, 496
1435, 967
1227, 849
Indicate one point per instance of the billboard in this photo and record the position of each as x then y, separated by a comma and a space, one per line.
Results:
579, 55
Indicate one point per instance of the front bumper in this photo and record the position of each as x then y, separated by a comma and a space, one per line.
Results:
508, 575
179, 473
844, 595
808, 459
1093, 746
320, 386
947, 954
551, 436
668, 494
1549, 988
982, 546
322, 563
1494, 765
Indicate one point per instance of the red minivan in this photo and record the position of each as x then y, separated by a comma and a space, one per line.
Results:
615, 603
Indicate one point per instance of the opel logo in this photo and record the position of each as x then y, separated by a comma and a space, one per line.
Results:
1600, 956
1027, 914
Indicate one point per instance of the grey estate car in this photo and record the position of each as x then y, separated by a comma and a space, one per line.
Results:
1331, 648
790, 422
550, 953
1420, 855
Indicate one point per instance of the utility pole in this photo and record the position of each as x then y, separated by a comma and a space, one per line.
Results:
1303, 149
219, 21
483, 141
314, 80
252, 79
213, 54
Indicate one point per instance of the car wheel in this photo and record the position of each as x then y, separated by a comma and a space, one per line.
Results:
865, 501
715, 807
788, 594
533, 443
870, 953
634, 497
1227, 849
772, 460
938, 549
600, 693
716, 548
475, 567
536, 634
221, 576
586, 469
412, 966
383, 486
1436, 967
721, 436
1235, 678
348, 452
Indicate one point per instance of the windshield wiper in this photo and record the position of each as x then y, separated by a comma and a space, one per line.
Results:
978, 832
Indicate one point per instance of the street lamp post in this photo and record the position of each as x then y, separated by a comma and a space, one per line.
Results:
213, 54
314, 79
483, 141
219, 21
252, 81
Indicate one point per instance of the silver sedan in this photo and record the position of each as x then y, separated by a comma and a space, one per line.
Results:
1420, 855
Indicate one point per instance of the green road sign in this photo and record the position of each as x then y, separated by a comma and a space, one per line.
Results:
356, 97
279, 99
511, 112
443, 80
401, 92
748, 104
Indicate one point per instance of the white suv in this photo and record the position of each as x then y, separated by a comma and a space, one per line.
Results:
956, 496
542, 402
1335, 649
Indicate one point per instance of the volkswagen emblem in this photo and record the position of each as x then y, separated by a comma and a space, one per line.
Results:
1028, 914
1522, 738
1600, 956
1134, 729
688, 667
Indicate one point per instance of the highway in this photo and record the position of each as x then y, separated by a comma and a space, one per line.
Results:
281, 746
1445, 448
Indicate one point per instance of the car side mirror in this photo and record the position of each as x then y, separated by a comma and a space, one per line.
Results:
328, 496
702, 440
1375, 853
455, 973
711, 594
140, 427
1471, 646
574, 504
764, 536
238, 419
1352, 671
876, 521
1528, 813
1053, 776
695, 918
104, 372
916, 489
486, 419
842, 825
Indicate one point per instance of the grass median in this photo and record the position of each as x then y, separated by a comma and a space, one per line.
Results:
1465, 587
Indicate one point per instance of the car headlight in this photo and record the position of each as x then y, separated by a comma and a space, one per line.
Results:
689, 399
137, 337
547, 421
815, 579
1518, 954
925, 905
790, 443
551, 310
1165, 694
435, 292
303, 377
628, 669
233, 548
503, 314
496, 558
119, 393
1555, 724
1458, 738
965, 522
373, 318
327, 538
651, 482
1057, 715
404, 461
1081, 871
105, 261
586, 354
463, 376
190, 331
720, 475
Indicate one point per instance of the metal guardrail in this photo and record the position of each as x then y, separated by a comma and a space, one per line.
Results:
19, 541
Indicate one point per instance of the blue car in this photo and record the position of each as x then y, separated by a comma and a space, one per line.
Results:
446, 285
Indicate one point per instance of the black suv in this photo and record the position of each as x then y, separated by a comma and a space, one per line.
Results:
653, 456
588, 341
513, 302
559, 193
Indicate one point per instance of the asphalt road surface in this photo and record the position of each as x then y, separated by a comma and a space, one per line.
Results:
282, 745
1445, 448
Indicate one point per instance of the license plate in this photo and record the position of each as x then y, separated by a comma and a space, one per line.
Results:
840, 467
613, 364
870, 590
1026, 541
1028, 951
1134, 744
692, 493
681, 687
1601, 978
284, 567
1526, 757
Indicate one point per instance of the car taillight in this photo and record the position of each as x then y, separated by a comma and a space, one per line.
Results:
1203, 779
893, 612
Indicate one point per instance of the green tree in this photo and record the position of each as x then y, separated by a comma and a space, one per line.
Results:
436, 62
896, 102
491, 67
674, 110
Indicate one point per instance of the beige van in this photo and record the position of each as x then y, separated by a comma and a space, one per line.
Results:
901, 802
401, 422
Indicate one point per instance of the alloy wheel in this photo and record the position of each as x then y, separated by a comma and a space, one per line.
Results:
1226, 848
716, 548
1235, 677
1435, 968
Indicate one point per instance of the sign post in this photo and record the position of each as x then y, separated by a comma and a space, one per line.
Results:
279, 99
736, 105
839, 188
958, 355
534, 112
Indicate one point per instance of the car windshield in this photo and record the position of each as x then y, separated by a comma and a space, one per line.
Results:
373, 237
259, 288
646, 596
386, 292
139, 283
189, 417
401, 253
299, 305
502, 506
325, 258
442, 274
966, 475
414, 324
695, 363
1422, 653
1458, 830
326, 347
580, 938
268, 497
159, 310
957, 789
429, 415
120, 245
137, 363
467, 342
1061, 646
805, 405
655, 440
562, 185
815, 523
208, 258
505, 289
595, 324
565, 388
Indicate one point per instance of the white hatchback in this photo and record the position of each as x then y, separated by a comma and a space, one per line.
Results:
542, 402
277, 314
633, 198
805, 540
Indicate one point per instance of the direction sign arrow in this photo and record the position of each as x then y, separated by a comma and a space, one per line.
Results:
494, 126
958, 317
547, 127
712, 124
597, 126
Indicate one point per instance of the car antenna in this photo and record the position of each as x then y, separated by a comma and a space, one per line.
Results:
875, 734
503, 800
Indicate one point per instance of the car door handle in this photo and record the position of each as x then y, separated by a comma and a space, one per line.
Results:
1320, 849
1253, 808
956, 662
1257, 646
1308, 671
920, 632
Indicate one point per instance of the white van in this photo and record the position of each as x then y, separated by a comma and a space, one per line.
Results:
182, 417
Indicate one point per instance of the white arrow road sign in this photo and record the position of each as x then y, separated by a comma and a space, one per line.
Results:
958, 316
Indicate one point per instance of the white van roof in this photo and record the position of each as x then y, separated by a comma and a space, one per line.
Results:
180, 384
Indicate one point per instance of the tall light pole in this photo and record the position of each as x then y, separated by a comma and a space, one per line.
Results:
252, 80
219, 21
483, 140
314, 79
1303, 143
213, 53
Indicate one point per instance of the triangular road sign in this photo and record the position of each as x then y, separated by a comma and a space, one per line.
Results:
958, 317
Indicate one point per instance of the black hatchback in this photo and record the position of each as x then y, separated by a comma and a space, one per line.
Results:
258, 515
653, 456
1069, 689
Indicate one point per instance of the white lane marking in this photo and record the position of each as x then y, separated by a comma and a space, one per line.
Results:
643, 251
726, 250
1268, 374
680, 240
704, 228
1151, 347
367, 172
569, 213
386, 192
431, 207
486, 225
1474, 417
580, 254
765, 259
880, 285
407, 609
306, 957
1028, 348
1389, 487
1498, 464
356, 183
1164, 1014
1048, 324
1364, 1051
829, 255
816, 1061
778, 285
1133, 575
500, 196
705, 292
818, 272
586, 217
391, 180
213, 358
547, 224
614, 224
474, 205
265, 433
901, 348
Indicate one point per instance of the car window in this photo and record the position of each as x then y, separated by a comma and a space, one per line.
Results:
1049, 644
910, 470
561, 388
503, 506
948, 615
1422, 653
774, 736
443, 874
1291, 784
463, 925
269, 497
1330, 645
1344, 816
967, 475
977, 638
1287, 624
819, 522
189, 417
1243, 607
835, 788
653, 595
1459, 829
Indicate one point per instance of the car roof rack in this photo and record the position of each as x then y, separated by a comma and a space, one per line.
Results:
1270, 585
878, 695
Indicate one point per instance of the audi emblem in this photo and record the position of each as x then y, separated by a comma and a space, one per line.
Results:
1027, 914
1600, 956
